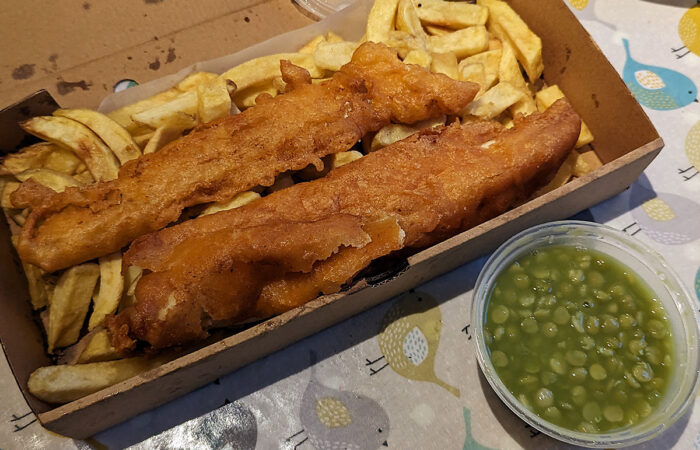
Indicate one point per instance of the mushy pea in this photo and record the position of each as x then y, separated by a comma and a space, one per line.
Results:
579, 339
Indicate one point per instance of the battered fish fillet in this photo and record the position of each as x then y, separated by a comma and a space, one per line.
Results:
413, 193
220, 159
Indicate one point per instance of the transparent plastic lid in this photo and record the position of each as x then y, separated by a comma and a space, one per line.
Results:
323, 8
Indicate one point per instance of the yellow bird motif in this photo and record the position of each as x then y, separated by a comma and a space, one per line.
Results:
692, 151
658, 210
689, 31
410, 337
579, 4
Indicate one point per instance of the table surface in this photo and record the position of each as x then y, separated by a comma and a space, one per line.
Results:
445, 403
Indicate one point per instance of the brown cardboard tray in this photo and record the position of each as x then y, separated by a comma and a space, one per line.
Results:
625, 140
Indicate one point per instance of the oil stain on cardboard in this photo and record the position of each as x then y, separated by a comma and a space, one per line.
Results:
155, 65
171, 55
23, 72
66, 87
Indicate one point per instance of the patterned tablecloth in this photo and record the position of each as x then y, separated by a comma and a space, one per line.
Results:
351, 376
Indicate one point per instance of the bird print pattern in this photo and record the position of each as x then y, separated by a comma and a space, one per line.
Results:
657, 87
585, 10
469, 442
697, 284
410, 336
333, 419
692, 151
689, 32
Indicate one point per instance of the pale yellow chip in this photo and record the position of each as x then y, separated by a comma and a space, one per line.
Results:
56, 181
240, 199
62, 160
334, 55
123, 115
8, 187
509, 71
404, 42
180, 112
381, 19
508, 26
192, 81
161, 137
342, 158
66, 383
246, 98
436, 30
418, 57
114, 135
494, 101
132, 275
99, 348
75, 136
547, 96
563, 175
265, 68
69, 304
32, 157
142, 139
38, 294
586, 162
110, 289
396, 132
214, 100
445, 63
333, 37
407, 20
310, 47
495, 44
464, 42
474, 73
451, 14
490, 60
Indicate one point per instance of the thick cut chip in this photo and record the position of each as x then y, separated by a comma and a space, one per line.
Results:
494, 101
563, 175
451, 14
508, 26
419, 57
123, 115
464, 42
180, 112
69, 304
113, 134
132, 275
237, 201
56, 181
162, 136
142, 139
110, 291
586, 162
38, 294
396, 132
445, 63
547, 96
474, 73
98, 348
246, 98
214, 100
310, 47
334, 55
436, 30
32, 157
8, 187
342, 158
266, 68
65, 383
509, 71
380, 21
75, 136
490, 60
407, 20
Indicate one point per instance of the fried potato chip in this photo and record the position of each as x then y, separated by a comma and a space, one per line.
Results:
403, 42
63, 160
451, 14
109, 293
265, 68
418, 57
84, 177
494, 101
445, 63
562, 176
161, 137
342, 158
407, 20
333, 37
396, 132
547, 96
98, 348
490, 61
310, 47
50, 178
38, 294
75, 136
237, 201
436, 30
586, 162
495, 44
192, 81
509, 71
334, 55
214, 100
69, 304
142, 139
132, 275
380, 20
114, 135
8, 187
180, 112
245, 98
123, 115
464, 42
65, 383
32, 157
474, 73
508, 26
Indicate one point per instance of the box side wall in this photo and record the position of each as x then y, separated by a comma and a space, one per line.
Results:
574, 62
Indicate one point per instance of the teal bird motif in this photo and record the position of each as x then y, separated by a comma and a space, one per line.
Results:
469, 441
657, 87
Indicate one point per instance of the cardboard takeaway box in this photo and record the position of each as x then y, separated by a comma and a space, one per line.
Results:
626, 142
